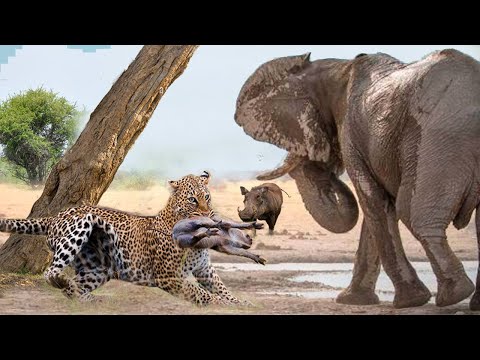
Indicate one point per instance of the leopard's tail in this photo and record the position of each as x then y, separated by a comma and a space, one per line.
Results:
25, 226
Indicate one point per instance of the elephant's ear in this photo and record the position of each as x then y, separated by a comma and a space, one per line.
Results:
284, 114
268, 74
275, 106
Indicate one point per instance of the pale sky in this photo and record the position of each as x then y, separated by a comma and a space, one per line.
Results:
192, 128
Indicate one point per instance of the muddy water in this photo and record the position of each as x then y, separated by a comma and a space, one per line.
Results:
333, 277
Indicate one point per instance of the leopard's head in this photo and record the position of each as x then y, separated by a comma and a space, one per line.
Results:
190, 196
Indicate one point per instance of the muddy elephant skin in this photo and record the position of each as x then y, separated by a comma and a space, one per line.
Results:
408, 135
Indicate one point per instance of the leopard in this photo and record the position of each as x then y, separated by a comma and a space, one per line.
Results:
102, 243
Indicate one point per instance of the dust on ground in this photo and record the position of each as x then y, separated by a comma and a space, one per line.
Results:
298, 238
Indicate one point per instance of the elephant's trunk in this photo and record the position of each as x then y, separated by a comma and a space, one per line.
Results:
327, 198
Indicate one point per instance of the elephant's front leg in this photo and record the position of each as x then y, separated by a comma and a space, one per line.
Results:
361, 290
409, 289
381, 221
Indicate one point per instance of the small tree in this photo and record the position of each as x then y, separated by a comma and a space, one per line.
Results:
36, 127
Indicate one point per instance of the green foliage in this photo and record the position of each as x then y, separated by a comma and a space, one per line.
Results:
7, 171
36, 127
134, 180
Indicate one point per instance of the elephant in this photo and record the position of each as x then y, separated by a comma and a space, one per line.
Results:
408, 136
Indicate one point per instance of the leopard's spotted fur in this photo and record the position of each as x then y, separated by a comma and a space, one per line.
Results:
103, 244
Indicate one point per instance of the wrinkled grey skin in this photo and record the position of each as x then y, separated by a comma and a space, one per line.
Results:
222, 235
408, 136
263, 202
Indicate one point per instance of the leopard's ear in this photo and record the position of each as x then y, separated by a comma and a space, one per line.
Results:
205, 177
174, 184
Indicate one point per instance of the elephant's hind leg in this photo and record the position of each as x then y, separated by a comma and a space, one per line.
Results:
453, 283
430, 209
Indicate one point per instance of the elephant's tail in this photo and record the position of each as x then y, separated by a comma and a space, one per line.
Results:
285, 192
475, 300
477, 225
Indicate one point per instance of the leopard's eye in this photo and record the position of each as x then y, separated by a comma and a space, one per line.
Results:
207, 197
192, 200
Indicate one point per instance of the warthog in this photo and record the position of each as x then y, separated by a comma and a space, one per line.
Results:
263, 202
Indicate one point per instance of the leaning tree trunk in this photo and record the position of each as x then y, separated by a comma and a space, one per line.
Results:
88, 168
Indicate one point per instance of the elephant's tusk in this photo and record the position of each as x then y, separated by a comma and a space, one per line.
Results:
290, 163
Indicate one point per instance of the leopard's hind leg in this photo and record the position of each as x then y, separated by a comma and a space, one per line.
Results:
85, 281
66, 247
65, 250
94, 265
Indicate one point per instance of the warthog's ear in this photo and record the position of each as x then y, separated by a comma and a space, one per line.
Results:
174, 184
205, 177
243, 190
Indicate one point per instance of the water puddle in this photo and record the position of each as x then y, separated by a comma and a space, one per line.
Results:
284, 267
338, 276
324, 294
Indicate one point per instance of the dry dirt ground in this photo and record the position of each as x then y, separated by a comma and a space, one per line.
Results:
298, 239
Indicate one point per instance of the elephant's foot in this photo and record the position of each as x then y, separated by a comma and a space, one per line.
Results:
475, 301
358, 296
411, 295
452, 291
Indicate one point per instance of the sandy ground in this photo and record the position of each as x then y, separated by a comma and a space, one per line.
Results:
298, 238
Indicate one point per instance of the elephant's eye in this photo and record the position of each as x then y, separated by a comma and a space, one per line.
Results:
192, 200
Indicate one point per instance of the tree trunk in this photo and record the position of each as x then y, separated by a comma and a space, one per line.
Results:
88, 167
